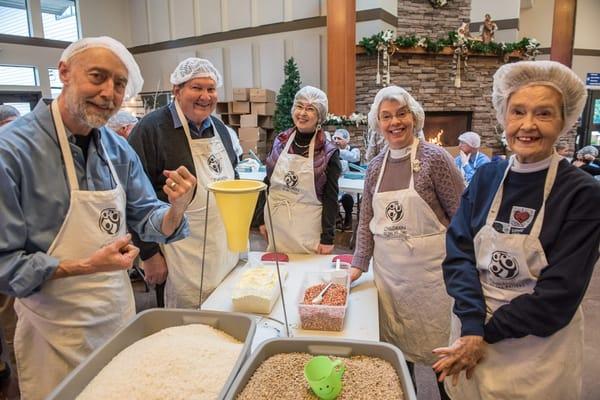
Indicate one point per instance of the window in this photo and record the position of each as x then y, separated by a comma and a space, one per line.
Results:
59, 18
18, 75
23, 108
55, 82
13, 18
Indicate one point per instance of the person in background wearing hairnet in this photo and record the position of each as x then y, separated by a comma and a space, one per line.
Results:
411, 192
521, 250
68, 188
184, 133
303, 169
8, 114
586, 160
348, 156
122, 123
469, 158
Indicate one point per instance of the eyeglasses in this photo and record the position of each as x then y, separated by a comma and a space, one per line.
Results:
400, 114
307, 108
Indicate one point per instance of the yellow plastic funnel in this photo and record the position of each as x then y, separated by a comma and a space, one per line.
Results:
236, 200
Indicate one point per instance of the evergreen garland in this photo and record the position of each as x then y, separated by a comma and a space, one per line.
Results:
285, 97
526, 46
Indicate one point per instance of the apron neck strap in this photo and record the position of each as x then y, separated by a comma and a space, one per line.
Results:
65, 149
184, 121
311, 146
548, 183
413, 158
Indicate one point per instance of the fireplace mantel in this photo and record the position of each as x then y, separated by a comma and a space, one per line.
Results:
446, 51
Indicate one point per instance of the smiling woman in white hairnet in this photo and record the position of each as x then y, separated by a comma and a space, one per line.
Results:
69, 188
185, 133
521, 250
412, 190
302, 171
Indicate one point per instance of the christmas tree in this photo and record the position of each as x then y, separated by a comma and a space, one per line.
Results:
285, 97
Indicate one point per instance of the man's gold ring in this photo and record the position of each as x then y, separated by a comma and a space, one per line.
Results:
173, 184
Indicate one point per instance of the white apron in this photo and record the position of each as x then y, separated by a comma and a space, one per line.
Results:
184, 257
531, 367
414, 309
295, 208
70, 317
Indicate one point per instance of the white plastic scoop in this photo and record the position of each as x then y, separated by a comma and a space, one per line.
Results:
319, 298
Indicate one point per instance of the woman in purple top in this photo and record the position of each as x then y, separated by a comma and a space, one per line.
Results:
412, 190
302, 173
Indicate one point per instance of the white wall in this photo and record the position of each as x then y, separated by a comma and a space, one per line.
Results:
505, 9
536, 22
106, 17
252, 62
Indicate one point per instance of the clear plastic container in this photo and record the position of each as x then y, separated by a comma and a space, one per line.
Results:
323, 317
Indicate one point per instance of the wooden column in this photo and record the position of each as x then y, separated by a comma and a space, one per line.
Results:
341, 56
563, 31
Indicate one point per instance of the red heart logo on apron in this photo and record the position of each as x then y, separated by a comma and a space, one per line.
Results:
521, 216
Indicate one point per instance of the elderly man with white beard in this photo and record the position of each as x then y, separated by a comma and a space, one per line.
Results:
68, 189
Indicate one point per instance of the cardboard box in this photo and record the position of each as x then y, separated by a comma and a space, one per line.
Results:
240, 107
254, 120
252, 134
257, 147
231, 119
224, 107
241, 94
263, 108
262, 96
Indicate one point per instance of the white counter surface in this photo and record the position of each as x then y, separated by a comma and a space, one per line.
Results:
362, 317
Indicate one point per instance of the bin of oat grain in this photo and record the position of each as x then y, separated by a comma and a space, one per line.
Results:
384, 374
239, 327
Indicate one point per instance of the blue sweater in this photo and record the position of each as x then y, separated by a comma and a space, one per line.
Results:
570, 237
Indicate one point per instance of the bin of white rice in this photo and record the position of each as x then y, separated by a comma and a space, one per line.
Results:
165, 354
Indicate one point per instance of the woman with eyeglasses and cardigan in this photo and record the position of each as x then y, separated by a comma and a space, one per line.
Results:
412, 190
303, 169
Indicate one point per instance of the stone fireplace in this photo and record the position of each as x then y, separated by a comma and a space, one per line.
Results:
444, 127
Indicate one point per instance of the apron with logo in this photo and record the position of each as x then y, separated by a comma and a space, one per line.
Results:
531, 367
70, 317
184, 257
295, 207
414, 309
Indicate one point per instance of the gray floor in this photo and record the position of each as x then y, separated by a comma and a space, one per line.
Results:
427, 390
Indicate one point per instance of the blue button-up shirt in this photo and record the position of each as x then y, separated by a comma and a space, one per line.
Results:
34, 195
196, 132
475, 161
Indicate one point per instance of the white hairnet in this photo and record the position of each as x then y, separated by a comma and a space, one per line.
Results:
342, 133
193, 67
314, 96
134, 76
511, 77
591, 150
470, 138
121, 119
400, 95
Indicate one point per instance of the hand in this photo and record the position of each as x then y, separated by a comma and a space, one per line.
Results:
155, 269
118, 255
464, 354
578, 163
324, 248
355, 273
464, 158
179, 187
263, 231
